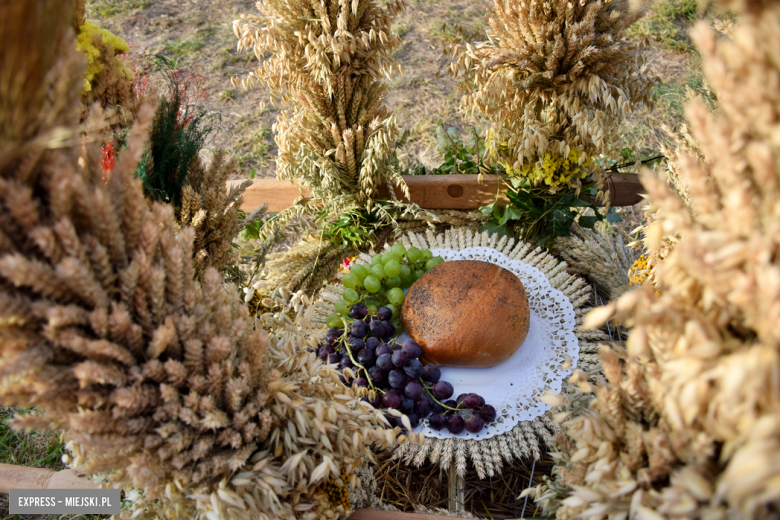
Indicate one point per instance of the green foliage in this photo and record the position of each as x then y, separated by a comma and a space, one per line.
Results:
355, 227
189, 47
253, 229
105, 8
401, 29
36, 450
539, 217
457, 33
458, 157
348, 228
179, 131
672, 96
629, 157
668, 24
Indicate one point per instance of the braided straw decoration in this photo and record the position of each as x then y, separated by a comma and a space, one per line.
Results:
490, 455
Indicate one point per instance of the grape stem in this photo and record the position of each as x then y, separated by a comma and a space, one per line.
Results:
434, 398
354, 361
413, 266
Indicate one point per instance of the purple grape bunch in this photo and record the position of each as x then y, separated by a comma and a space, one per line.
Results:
397, 376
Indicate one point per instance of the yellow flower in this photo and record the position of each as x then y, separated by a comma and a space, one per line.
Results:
337, 494
638, 272
86, 44
550, 170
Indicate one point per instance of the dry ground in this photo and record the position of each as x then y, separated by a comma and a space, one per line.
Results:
197, 35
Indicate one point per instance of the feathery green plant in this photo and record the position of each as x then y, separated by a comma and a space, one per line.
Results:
180, 129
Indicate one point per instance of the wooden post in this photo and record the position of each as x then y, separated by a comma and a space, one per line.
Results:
450, 191
456, 491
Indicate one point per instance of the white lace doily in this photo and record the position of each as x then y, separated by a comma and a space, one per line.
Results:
514, 386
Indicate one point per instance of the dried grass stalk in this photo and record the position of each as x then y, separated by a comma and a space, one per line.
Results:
213, 211
79, 14
603, 257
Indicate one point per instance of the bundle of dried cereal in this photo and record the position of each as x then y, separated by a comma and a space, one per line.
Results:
327, 59
556, 78
603, 257
687, 424
157, 379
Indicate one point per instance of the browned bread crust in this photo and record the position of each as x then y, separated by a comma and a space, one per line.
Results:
467, 314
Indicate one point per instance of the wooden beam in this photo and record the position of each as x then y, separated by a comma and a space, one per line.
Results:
277, 194
25, 477
450, 191
431, 192
624, 189
375, 514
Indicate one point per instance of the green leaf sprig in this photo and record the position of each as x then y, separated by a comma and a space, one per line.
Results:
539, 217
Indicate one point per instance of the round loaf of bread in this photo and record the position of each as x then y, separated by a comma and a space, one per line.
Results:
467, 314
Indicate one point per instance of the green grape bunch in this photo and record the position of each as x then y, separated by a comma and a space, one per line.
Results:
382, 282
